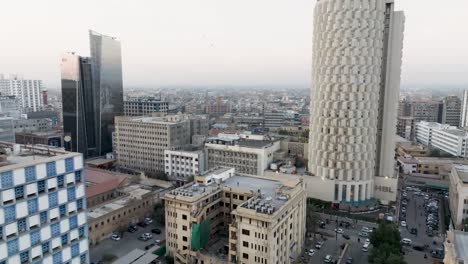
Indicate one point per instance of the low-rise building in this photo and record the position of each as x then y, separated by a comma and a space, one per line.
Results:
184, 163
33, 125
140, 106
458, 194
444, 137
410, 149
227, 218
251, 154
50, 138
456, 247
405, 127
7, 129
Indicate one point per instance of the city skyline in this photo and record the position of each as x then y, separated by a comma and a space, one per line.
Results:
207, 44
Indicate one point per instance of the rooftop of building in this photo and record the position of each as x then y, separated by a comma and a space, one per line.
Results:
456, 132
97, 162
461, 244
148, 99
17, 155
462, 172
133, 192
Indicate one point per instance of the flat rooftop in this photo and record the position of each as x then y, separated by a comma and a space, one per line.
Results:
462, 172
255, 143
154, 120
456, 132
461, 244
21, 155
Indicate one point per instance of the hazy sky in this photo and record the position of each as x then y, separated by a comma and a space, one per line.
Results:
216, 42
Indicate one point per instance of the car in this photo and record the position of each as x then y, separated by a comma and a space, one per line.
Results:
437, 253
430, 233
143, 238
157, 241
148, 235
345, 236
363, 234
414, 231
339, 231
404, 202
311, 252
156, 231
406, 241
148, 220
367, 241
142, 224
403, 223
319, 244
115, 237
328, 259
149, 246
418, 247
349, 260
365, 247
132, 229
366, 229
321, 224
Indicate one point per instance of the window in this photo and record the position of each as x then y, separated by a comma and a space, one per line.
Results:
184, 228
71, 193
64, 239
60, 181
32, 206
7, 179
83, 258
245, 255
62, 210
69, 166
19, 192
245, 244
30, 173
53, 199
75, 250
81, 231
45, 247
10, 214
12, 247
1, 232
184, 238
78, 176
51, 169
246, 232
57, 258
55, 229
24, 256
35, 237
79, 204
21, 224
184, 217
41, 186
43, 216
73, 222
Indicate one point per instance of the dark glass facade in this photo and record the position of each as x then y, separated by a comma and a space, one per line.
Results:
92, 95
107, 74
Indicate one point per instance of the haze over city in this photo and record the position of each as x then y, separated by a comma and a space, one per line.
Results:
218, 43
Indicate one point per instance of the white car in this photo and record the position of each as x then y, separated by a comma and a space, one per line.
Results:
339, 230
403, 223
157, 241
328, 259
367, 241
115, 237
147, 235
366, 229
406, 241
311, 252
148, 220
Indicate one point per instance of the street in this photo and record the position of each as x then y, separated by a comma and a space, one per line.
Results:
416, 218
127, 243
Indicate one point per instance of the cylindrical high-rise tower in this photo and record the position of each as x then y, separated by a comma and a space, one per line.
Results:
349, 82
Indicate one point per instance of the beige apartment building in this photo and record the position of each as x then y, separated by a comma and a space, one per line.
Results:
224, 217
141, 141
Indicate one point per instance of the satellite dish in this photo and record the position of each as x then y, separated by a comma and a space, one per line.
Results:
67, 138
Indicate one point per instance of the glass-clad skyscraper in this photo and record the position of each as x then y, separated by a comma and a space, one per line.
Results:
92, 95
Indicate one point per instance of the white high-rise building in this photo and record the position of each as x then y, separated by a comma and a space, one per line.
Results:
27, 92
357, 51
464, 113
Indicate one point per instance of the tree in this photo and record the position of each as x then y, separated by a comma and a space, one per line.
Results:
312, 219
387, 246
159, 214
161, 175
283, 132
169, 260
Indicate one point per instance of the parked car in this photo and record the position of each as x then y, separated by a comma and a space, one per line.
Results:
149, 246
311, 252
414, 231
363, 234
345, 236
132, 229
406, 241
366, 229
156, 231
319, 244
418, 247
148, 235
349, 260
403, 223
328, 259
142, 224
148, 220
339, 230
115, 237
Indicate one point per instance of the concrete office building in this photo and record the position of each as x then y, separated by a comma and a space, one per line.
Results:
140, 106
184, 163
7, 129
455, 247
92, 95
444, 137
357, 52
451, 111
458, 194
263, 220
406, 127
27, 92
43, 206
464, 111
275, 120
141, 141
32, 125
50, 138
249, 156
9, 106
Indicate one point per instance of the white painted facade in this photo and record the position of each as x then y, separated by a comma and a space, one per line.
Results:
43, 210
357, 51
444, 137
458, 194
27, 92
184, 163
464, 113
